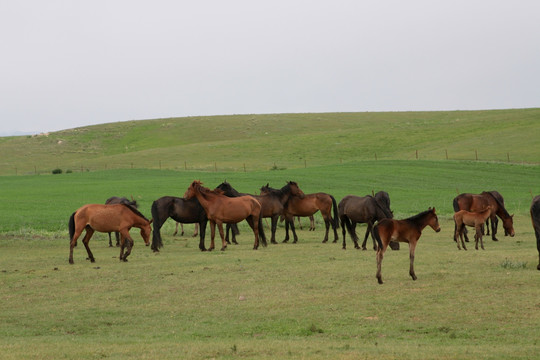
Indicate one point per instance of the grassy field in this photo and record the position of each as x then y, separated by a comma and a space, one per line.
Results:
262, 142
299, 301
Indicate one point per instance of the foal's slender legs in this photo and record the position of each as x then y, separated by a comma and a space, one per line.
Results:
412, 247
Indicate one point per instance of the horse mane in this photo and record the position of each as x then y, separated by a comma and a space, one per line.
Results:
135, 211
501, 206
387, 212
272, 191
416, 218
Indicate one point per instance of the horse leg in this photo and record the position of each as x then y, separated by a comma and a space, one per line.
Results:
311, 223
130, 243
73, 243
274, 221
368, 231
286, 231
212, 235
221, 233
412, 247
465, 232
479, 234
380, 256
117, 234
89, 233
327, 225
202, 234
494, 228
293, 232
343, 231
461, 237
227, 229
196, 230
254, 225
110, 241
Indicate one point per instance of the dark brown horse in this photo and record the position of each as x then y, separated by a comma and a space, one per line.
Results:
407, 230
535, 217
478, 202
307, 205
464, 218
362, 209
181, 210
273, 202
119, 200
223, 209
107, 218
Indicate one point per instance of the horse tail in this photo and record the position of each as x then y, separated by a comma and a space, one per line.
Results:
456, 204
71, 226
262, 236
157, 242
377, 236
335, 220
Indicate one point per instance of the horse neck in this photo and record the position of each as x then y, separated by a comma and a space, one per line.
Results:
421, 222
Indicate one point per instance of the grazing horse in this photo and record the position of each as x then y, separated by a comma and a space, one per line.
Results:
119, 200
478, 202
307, 205
107, 218
223, 209
535, 217
181, 210
357, 209
474, 219
407, 230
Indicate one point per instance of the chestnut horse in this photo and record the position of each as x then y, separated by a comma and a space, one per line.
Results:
535, 217
478, 202
223, 209
107, 218
474, 219
180, 210
119, 200
361, 209
407, 230
307, 205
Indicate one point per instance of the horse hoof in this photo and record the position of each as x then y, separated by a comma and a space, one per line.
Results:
379, 280
324, 241
363, 248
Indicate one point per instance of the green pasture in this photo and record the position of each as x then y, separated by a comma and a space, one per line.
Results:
262, 142
299, 301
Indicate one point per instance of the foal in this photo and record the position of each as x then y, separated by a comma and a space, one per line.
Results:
464, 218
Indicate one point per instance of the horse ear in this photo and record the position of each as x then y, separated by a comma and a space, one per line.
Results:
151, 221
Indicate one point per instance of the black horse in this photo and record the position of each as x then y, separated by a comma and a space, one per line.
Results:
535, 216
120, 200
181, 210
363, 209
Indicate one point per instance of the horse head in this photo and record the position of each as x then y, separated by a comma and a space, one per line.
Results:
146, 231
193, 189
434, 220
295, 190
508, 225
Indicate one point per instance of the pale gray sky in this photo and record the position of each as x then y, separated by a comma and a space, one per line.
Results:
72, 63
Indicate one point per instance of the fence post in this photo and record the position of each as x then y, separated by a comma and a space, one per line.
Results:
244, 167
416, 154
185, 166
508, 156
446, 154
476, 154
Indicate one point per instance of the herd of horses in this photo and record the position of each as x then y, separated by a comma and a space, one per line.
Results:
224, 205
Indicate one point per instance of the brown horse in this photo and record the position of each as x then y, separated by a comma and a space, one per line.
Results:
464, 218
231, 210
478, 202
407, 230
307, 205
107, 218
273, 202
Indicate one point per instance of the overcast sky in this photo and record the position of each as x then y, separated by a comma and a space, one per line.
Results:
65, 64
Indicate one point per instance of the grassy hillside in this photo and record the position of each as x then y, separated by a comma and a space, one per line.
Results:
261, 142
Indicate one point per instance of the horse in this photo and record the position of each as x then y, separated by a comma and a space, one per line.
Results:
535, 217
408, 230
307, 205
119, 200
107, 218
223, 209
475, 219
478, 202
357, 209
187, 211
273, 202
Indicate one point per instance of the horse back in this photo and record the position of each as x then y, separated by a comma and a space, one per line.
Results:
104, 218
